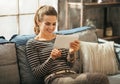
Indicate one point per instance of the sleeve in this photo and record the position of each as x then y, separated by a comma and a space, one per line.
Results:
64, 52
38, 69
71, 57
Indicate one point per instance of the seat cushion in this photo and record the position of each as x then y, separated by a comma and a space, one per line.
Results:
115, 79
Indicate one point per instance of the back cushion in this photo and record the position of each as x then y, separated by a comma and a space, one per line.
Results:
88, 36
9, 73
85, 33
25, 72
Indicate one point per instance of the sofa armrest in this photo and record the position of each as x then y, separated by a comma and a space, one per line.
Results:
103, 41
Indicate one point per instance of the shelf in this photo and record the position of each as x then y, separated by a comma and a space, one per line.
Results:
111, 37
116, 39
79, 5
103, 4
84, 6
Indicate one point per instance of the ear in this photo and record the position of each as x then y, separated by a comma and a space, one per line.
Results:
37, 22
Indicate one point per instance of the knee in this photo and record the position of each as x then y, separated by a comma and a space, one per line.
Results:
91, 78
97, 78
63, 80
81, 79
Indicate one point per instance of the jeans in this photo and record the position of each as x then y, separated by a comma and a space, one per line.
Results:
85, 78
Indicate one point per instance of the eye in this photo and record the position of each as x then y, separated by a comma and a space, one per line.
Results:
54, 24
47, 23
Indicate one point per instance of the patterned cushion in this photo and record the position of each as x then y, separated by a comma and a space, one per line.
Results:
21, 39
2, 39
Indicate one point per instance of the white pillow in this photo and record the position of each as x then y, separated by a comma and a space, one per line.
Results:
98, 57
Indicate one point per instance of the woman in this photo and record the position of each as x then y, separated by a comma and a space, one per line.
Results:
50, 63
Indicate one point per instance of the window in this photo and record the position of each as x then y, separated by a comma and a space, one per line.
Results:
17, 16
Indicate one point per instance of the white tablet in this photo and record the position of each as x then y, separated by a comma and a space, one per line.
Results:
63, 41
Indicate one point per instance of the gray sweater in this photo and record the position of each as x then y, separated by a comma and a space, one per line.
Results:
38, 55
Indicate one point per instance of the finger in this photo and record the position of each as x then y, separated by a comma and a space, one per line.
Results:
75, 47
77, 42
56, 52
73, 44
59, 54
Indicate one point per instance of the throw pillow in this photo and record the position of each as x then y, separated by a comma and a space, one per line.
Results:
2, 39
9, 73
117, 49
99, 57
21, 39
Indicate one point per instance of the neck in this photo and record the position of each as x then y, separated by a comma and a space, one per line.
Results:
45, 37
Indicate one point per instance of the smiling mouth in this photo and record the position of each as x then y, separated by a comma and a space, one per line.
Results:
50, 31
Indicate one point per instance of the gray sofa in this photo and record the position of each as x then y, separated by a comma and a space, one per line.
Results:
14, 68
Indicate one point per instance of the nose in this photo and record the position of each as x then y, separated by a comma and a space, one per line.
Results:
52, 26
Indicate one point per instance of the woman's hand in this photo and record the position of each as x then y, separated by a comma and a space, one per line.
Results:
74, 46
55, 53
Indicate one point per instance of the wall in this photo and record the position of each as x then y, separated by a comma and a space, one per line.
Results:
96, 14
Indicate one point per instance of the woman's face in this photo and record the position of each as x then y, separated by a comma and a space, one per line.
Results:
48, 24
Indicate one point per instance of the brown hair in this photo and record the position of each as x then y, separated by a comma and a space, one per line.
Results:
43, 10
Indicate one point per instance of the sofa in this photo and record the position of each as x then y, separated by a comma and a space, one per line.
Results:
14, 67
